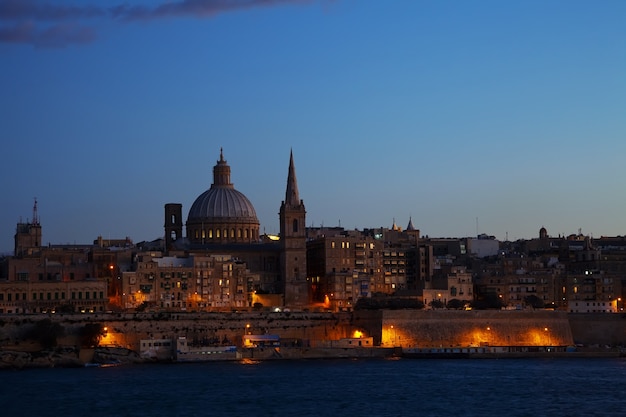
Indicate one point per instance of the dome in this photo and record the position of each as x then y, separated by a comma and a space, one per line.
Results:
222, 214
223, 203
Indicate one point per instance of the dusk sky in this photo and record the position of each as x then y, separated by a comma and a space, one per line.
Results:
495, 117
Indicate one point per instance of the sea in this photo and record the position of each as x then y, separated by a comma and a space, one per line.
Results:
364, 387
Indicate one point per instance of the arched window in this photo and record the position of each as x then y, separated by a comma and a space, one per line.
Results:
197, 234
239, 233
225, 235
232, 233
210, 233
217, 233
245, 233
203, 233
295, 225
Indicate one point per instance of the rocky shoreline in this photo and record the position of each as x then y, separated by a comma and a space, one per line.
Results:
108, 356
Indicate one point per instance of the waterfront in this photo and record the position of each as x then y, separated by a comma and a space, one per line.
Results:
393, 387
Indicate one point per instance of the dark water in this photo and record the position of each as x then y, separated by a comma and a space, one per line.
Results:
523, 387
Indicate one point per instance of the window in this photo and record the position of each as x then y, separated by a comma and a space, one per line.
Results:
295, 225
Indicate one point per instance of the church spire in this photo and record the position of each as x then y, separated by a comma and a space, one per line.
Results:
292, 197
410, 226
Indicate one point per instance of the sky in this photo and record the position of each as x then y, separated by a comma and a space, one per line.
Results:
496, 117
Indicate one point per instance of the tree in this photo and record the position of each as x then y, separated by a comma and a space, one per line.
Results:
455, 304
90, 334
487, 301
45, 332
436, 304
533, 301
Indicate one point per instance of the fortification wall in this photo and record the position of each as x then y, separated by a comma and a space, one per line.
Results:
453, 328
389, 328
598, 329
126, 330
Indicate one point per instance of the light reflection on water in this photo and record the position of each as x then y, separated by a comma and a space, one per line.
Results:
406, 387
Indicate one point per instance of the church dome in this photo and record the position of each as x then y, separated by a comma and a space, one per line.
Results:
222, 202
222, 214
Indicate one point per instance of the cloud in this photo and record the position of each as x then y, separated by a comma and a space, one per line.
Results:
36, 10
195, 8
55, 36
26, 17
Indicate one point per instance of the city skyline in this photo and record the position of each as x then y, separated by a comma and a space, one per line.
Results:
469, 118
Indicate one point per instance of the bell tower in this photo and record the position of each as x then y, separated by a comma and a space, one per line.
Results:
28, 235
293, 243
173, 224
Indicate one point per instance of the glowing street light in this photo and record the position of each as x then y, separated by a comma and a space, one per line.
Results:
545, 329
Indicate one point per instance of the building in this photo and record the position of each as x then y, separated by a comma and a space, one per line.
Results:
52, 278
191, 283
458, 285
345, 266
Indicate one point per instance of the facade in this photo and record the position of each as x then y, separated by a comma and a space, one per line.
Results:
458, 286
344, 267
192, 283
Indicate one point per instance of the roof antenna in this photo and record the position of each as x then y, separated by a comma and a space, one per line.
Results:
35, 217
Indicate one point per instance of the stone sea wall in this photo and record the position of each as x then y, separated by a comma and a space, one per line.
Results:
449, 328
22, 338
599, 329
126, 330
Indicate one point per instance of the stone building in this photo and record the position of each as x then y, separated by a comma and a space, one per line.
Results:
458, 285
50, 278
192, 283
344, 267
